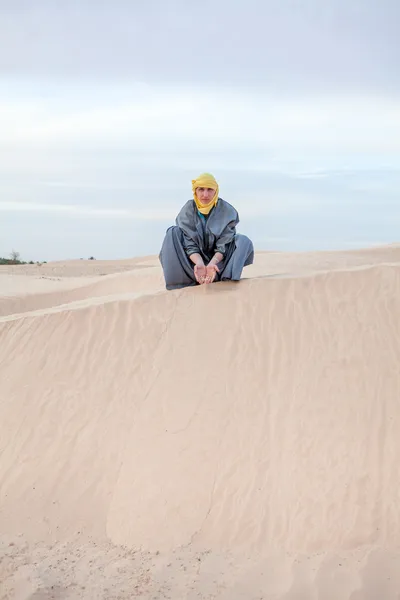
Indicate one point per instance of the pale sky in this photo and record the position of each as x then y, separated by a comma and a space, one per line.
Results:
109, 109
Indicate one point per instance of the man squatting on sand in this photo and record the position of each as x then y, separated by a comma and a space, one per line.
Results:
203, 246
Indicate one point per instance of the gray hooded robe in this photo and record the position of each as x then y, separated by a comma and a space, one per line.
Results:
205, 235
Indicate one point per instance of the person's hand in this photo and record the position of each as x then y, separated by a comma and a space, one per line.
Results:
211, 273
200, 273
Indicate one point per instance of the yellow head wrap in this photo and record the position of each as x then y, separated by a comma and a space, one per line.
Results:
205, 180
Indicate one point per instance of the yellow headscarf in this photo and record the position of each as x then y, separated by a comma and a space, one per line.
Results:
205, 180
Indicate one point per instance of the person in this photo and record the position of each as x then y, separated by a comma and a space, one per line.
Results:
203, 246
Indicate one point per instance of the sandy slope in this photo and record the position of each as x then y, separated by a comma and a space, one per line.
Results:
238, 441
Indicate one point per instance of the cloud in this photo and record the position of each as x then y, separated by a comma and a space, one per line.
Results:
282, 44
85, 211
183, 120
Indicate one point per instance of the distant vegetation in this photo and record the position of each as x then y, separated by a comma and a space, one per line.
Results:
15, 259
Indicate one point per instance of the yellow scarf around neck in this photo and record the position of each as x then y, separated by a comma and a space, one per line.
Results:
205, 180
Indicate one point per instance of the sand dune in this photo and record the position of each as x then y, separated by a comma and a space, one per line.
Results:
26, 288
235, 441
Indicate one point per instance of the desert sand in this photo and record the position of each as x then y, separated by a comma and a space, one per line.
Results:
238, 441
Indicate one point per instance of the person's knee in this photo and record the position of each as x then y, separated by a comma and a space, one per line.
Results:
172, 231
245, 247
173, 235
243, 241
169, 242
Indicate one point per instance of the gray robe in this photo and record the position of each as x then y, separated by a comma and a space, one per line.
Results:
194, 233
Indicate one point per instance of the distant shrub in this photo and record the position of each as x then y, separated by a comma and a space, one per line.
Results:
15, 257
16, 260
11, 261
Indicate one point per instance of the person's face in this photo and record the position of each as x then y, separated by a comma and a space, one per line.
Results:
205, 195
